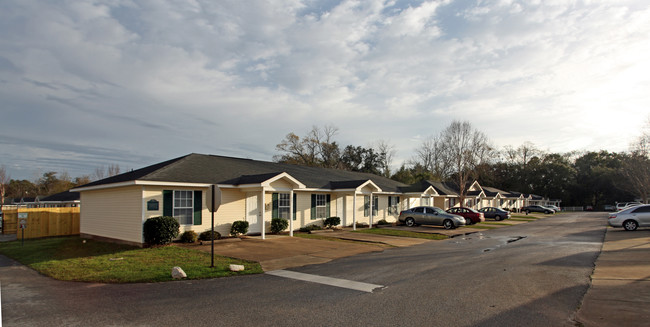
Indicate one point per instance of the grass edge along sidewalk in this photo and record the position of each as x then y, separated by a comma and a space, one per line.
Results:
76, 259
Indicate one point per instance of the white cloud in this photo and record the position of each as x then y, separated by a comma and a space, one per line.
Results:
165, 78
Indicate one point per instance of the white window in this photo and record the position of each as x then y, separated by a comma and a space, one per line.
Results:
393, 204
452, 202
321, 206
184, 207
426, 201
283, 205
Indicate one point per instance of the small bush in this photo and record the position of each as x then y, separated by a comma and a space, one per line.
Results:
278, 225
383, 222
189, 236
310, 228
331, 222
239, 227
205, 236
160, 230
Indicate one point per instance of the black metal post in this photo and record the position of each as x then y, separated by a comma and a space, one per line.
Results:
212, 233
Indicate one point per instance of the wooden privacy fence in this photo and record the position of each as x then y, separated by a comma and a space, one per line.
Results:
42, 222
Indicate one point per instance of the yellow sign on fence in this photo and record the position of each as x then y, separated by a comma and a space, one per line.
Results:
42, 222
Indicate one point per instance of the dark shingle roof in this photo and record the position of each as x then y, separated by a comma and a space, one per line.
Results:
66, 196
212, 169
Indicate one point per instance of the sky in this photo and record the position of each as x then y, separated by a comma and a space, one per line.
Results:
87, 84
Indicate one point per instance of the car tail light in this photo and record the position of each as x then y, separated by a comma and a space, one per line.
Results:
611, 216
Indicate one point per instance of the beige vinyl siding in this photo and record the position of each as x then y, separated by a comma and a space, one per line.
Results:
439, 202
233, 207
113, 213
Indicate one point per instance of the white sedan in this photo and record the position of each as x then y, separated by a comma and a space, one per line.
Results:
631, 218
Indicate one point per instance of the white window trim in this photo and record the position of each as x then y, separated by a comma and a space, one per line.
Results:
191, 207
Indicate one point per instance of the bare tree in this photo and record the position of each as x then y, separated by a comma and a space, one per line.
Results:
386, 153
465, 148
636, 166
317, 148
113, 169
431, 156
329, 151
99, 173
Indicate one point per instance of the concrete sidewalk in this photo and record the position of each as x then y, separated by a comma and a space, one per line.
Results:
620, 290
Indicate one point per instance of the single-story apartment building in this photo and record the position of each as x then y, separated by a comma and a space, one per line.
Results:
115, 208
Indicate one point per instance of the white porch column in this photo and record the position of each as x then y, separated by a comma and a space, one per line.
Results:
372, 201
354, 211
291, 204
263, 212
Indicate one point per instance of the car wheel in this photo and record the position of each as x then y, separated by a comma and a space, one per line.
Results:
630, 225
547, 212
448, 224
410, 222
497, 217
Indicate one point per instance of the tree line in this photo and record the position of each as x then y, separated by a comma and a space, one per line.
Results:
50, 183
461, 154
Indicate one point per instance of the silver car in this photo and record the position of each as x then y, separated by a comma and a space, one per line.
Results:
631, 218
430, 216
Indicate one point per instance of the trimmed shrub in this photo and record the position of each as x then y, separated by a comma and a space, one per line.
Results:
331, 222
239, 227
383, 222
310, 228
278, 225
160, 230
205, 236
189, 236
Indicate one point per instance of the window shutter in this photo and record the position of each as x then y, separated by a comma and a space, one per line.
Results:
294, 206
198, 206
274, 212
313, 206
327, 206
168, 203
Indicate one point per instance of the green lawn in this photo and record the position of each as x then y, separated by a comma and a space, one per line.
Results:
70, 258
525, 216
402, 233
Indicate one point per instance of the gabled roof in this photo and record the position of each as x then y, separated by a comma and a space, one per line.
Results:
212, 169
492, 191
442, 188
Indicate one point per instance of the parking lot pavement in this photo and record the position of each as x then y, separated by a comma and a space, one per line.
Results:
620, 290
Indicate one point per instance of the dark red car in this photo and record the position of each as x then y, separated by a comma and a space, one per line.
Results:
471, 216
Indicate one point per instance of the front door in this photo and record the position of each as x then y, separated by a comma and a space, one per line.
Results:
252, 212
